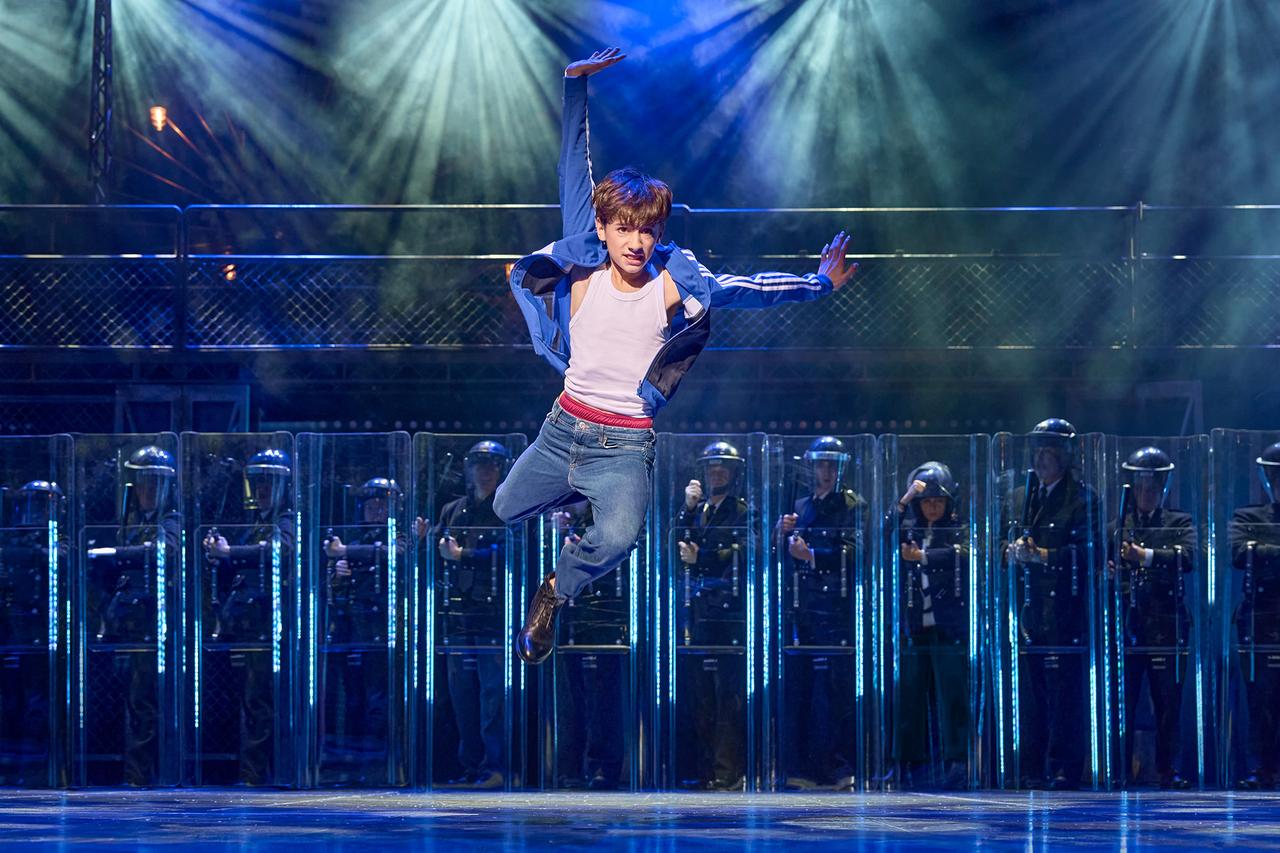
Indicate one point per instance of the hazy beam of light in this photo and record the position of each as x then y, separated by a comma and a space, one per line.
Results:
807, 89
443, 87
240, 58
44, 74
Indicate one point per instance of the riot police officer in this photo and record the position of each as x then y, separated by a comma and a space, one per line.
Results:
356, 627
1157, 547
25, 561
821, 542
471, 541
241, 590
1254, 536
933, 549
589, 675
1052, 551
711, 528
124, 582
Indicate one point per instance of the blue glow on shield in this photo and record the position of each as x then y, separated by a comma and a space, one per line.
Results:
198, 653
52, 546
277, 622
391, 581
162, 614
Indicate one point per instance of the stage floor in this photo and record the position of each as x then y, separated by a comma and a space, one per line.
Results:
387, 820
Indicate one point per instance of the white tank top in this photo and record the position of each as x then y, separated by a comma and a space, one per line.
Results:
613, 339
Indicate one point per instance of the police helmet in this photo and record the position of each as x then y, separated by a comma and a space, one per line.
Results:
827, 448
271, 465
1269, 471
937, 479
1056, 434
488, 452
36, 502
153, 461
378, 488
725, 454
154, 464
1150, 464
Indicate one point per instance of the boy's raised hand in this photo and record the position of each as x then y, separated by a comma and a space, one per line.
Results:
833, 264
598, 61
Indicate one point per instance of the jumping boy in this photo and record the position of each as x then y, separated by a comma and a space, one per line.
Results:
638, 312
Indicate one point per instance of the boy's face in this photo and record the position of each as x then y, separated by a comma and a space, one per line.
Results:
630, 246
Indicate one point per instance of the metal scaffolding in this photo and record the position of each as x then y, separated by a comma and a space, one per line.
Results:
100, 105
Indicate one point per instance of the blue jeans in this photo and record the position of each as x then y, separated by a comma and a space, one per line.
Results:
572, 459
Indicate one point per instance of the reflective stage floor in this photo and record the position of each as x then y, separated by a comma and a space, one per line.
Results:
393, 820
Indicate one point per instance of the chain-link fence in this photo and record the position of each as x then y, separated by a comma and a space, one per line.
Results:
208, 278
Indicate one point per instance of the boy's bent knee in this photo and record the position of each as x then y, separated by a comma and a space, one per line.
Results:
502, 505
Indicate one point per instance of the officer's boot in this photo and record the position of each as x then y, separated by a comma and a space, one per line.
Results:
537, 638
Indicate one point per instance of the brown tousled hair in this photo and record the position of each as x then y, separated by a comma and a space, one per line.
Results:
630, 197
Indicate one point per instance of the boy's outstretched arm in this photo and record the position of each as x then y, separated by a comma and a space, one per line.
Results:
771, 288
576, 213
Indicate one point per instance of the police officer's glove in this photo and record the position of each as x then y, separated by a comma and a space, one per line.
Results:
1132, 553
800, 550
449, 548
216, 546
1025, 551
692, 494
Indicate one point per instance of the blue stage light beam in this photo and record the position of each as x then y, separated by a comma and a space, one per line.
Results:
806, 98
232, 76
447, 86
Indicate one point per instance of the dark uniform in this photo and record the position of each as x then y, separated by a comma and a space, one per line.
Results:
1157, 624
934, 612
240, 587
123, 583
711, 598
1254, 536
472, 597
589, 681
1053, 628
818, 732
25, 659
356, 649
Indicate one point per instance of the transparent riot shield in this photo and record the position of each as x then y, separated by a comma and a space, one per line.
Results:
815, 610
1047, 573
35, 561
590, 715
927, 599
705, 535
1153, 612
473, 566
242, 608
1245, 605
127, 611
356, 544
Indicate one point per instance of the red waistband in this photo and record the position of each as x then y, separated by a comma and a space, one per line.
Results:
598, 416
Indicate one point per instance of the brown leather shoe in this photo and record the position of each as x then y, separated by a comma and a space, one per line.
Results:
537, 639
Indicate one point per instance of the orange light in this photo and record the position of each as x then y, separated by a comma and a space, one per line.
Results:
229, 272
508, 268
159, 118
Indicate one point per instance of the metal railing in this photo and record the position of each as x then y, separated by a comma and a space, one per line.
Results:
236, 277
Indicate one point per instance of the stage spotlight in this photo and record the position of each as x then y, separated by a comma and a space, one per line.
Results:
229, 272
159, 117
